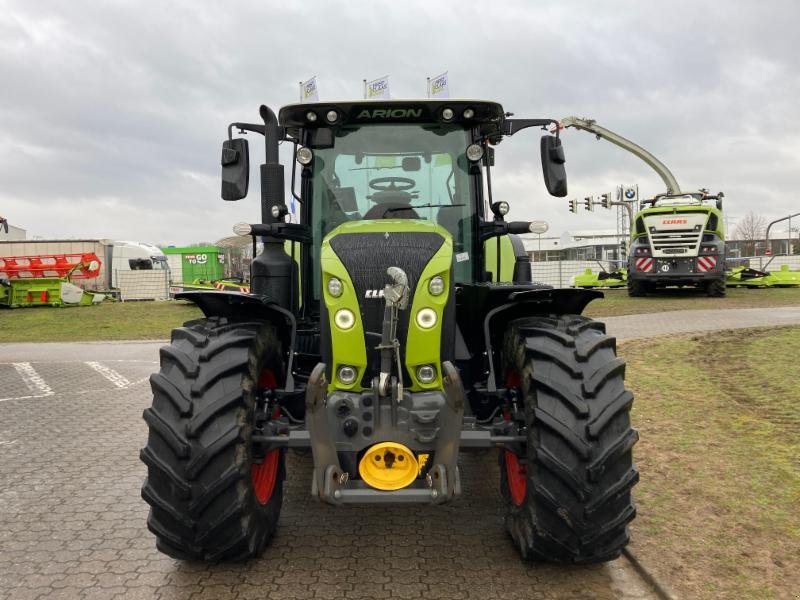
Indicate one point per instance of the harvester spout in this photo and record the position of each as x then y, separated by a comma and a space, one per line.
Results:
673, 189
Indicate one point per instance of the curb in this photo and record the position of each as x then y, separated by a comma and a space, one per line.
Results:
660, 588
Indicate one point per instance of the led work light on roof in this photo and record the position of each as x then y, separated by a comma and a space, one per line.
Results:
311, 116
474, 152
468, 113
304, 156
448, 114
332, 116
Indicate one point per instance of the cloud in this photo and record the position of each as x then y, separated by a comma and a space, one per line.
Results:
112, 114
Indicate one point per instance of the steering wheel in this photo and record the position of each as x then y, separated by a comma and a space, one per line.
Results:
392, 184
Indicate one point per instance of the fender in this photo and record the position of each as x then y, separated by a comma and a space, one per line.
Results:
526, 303
236, 305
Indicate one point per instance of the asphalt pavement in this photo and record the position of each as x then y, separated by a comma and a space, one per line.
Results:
72, 523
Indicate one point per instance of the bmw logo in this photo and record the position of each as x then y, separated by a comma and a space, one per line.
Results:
630, 193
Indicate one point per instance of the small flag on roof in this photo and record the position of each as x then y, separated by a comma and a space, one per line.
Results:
308, 90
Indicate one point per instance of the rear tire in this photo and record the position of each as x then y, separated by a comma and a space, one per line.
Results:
568, 494
209, 498
716, 288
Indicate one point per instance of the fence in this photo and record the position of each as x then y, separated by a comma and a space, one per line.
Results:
561, 273
143, 285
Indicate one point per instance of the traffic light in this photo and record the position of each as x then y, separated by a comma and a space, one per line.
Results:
605, 200
573, 205
623, 248
587, 203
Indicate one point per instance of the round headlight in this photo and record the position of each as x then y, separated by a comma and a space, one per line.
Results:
474, 152
502, 208
426, 373
436, 285
335, 287
311, 116
332, 116
448, 114
426, 318
304, 156
346, 374
242, 229
344, 318
468, 113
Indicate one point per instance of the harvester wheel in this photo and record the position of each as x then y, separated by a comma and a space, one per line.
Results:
716, 288
567, 495
210, 498
637, 288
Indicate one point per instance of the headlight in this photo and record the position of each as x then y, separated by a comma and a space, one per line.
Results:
426, 318
335, 287
344, 318
311, 116
332, 116
304, 156
426, 373
468, 113
447, 114
347, 374
436, 285
474, 152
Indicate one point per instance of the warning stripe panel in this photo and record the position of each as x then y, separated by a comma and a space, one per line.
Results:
706, 263
645, 265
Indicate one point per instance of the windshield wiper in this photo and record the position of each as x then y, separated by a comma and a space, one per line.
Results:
392, 209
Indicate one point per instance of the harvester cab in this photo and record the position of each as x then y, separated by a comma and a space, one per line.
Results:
392, 327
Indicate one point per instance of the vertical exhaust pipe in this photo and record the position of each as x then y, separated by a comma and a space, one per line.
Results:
272, 271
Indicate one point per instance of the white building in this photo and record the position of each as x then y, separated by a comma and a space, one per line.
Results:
15, 234
601, 244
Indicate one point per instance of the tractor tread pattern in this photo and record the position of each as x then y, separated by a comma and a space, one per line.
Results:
580, 468
198, 457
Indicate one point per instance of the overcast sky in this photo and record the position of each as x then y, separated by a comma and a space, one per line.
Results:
112, 113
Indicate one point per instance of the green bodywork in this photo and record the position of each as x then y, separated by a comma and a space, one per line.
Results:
602, 279
747, 277
423, 346
507, 258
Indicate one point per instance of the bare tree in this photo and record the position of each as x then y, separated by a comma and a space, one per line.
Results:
750, 229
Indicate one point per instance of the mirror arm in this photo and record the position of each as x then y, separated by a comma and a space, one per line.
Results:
490, 229
242, 127
294, 232
512, 126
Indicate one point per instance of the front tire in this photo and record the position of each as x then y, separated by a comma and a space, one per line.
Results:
568, 494
210, 498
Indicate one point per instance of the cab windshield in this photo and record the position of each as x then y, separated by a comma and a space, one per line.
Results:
407, 171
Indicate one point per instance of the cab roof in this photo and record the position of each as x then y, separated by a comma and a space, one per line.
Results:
487, 115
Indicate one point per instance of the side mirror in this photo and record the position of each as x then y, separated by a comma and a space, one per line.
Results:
555, 175
235, 169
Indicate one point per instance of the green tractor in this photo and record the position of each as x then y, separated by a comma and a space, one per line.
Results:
392, 328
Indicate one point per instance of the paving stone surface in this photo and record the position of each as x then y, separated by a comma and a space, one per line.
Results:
72, 523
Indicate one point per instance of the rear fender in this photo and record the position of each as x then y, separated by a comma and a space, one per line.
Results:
528, 303
236, 305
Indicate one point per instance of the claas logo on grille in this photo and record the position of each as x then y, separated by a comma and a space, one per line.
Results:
674, 221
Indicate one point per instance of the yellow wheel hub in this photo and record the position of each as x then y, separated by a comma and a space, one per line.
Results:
388, 466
